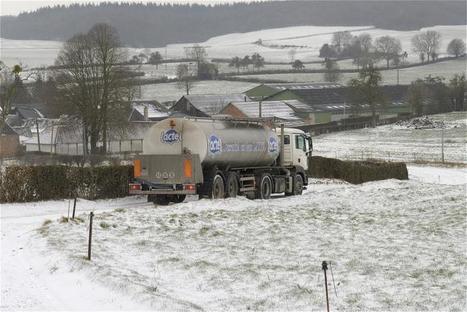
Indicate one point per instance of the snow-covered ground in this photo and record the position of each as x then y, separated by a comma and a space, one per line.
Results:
393, 245
399, 143
308, 40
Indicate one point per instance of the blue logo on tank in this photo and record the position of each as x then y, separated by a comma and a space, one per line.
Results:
272, 144
215, 145
170, 136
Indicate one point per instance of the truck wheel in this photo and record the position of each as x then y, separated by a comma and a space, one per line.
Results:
177, 198
264, 187
161, 200
217, 188
297, 188
231, 185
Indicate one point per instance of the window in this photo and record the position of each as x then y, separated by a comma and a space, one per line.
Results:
286, 139
300, 142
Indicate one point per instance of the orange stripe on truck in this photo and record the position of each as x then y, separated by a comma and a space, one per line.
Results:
187, 168
137, 168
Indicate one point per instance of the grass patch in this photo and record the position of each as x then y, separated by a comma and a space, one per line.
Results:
63, 220
46, 222
104, 225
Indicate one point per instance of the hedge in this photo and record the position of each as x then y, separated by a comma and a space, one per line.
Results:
356, 171
33, 183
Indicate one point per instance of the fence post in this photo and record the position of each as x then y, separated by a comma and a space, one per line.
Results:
325, 267
74, 209
91, 216
442, 145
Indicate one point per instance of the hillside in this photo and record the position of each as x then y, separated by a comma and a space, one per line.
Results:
155, 25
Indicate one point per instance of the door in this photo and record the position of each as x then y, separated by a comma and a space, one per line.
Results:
299, 151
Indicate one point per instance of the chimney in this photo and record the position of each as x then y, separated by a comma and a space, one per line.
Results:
146, 114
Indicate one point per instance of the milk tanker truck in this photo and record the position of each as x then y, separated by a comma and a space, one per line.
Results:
220, 157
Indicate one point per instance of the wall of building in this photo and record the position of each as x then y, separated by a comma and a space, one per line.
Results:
9, 145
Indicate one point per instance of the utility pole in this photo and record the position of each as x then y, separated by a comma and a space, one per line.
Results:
38, 137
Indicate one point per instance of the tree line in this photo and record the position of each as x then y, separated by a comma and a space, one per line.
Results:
155, 25
365, 52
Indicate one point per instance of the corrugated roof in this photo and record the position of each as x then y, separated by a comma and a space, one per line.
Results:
303, 86
278, 109
213, 103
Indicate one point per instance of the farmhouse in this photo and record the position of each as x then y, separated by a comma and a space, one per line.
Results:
205, 105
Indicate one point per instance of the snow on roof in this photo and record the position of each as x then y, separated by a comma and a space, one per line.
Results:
214, 103
154, 110
299, 106
278, 109
46, 136
303, 86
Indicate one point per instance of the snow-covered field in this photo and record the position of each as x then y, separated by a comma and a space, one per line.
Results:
393, 245
399, 143
308, 40
445, 69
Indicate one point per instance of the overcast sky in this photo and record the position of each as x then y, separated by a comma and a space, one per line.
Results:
14, 7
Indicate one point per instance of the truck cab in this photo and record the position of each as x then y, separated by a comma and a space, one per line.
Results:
297, 147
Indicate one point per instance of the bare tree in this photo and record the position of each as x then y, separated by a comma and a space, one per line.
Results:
388, 48
7, 88
155, 59
361, 50
331, 73
341, 39
366, 90
236, 62
426, 43
12, 88
196, 53
456, 47
92, 79
186, 79
257, 60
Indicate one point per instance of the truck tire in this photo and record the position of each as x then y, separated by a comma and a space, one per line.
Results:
217, 187
161, 200
231, 185
177, 198
264, 186
297, 188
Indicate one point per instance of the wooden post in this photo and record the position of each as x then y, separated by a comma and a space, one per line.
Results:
325, 267
442, 145
74, 209
91, 216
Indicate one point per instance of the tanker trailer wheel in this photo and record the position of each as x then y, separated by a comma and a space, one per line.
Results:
297, 186
161, 200
217, 187
177, 198
232, 186
264, 187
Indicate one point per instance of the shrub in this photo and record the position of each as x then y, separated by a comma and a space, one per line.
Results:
32, 183
356, 171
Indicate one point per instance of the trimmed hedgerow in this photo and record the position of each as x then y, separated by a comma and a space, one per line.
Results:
356, 172
33, 183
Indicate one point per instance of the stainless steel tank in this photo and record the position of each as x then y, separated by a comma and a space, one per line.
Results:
217, 142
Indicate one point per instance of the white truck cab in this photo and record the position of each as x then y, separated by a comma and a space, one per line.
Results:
297, 147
